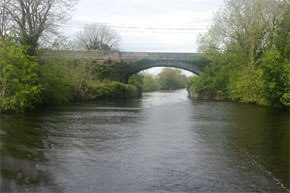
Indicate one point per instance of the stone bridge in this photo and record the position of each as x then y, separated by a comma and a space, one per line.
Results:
138, 61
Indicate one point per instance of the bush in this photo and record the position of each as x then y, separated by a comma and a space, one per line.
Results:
150, 83
110, 70
274, 77
136, 80
171, 79
112, 90
56, 87
65, 79
244, 86
80, 74
205, 84
20, 88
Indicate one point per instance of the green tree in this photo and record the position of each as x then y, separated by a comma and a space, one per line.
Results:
110, 70
55, 81
20, 88
272, 86
248, 49
136, 80
276, 66
150, 83
171, 79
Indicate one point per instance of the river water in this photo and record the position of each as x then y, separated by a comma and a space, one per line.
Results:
163, 142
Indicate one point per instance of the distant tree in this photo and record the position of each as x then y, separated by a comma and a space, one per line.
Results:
97, 37
150, 82
35, 19
171, 79
61, 42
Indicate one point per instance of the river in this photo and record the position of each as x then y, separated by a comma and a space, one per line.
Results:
163, 142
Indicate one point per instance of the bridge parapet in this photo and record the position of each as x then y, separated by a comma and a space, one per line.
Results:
127, 55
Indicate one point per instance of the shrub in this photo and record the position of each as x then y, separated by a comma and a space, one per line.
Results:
56, 87
20, 88
112, 90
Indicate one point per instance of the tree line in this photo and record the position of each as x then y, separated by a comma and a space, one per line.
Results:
167, 79
248, 49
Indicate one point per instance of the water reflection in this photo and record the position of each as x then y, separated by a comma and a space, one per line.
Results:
23, 143
263, 134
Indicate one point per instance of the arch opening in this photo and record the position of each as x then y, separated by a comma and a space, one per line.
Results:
145, 64
162, 78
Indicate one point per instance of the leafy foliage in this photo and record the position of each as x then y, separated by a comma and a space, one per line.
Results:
171, 79
65, 80
20, 88
137, 80
112, 90
55, 82
199, 60
150, 83
248, 49
110, 70
273, 77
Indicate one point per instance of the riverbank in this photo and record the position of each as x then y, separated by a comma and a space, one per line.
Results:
30, 82
192, 93
195, 95
110, 91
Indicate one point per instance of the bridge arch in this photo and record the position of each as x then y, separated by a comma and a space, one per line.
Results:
145, 64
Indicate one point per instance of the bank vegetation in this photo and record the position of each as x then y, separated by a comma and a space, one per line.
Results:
248, 46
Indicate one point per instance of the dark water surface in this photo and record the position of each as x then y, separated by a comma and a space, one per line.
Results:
164, 142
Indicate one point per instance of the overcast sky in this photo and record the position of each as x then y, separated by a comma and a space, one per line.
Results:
149, 25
